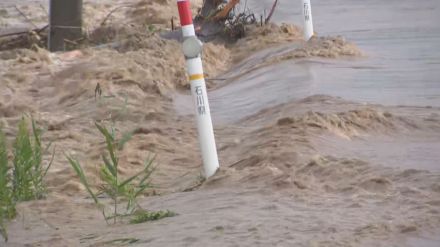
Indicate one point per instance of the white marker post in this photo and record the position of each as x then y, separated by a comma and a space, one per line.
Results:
192, 48
308, 22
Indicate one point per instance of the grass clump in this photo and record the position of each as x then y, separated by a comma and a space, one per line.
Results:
144, 216
28, 171
119, 190
7, 204
23, 180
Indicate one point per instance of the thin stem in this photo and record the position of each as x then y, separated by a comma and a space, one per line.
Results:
116, 207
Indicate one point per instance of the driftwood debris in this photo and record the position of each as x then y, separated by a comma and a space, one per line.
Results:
274, 5
23, 31
215, 10
223, 13
103, 22
25, 16
217, 16
23, 38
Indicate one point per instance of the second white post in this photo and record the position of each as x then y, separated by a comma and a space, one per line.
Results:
308, 22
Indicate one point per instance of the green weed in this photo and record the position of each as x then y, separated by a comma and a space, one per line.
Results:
7, 204
28, 171
121, 191
144, 216
24, 180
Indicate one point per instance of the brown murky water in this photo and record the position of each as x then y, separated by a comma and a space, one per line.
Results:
319, 145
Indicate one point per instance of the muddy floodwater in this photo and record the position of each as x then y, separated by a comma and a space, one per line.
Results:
331, 142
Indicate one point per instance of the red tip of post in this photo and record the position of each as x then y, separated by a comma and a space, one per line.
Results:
184, 13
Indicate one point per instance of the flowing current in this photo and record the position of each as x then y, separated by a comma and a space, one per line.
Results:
313, 151
401, 41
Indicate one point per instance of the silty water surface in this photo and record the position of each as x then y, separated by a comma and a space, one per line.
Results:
401, 41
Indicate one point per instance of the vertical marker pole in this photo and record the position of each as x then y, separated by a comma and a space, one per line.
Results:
192, 51
65, 21
308, 22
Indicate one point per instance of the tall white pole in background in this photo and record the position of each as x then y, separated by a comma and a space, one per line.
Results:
192, 48
308, 22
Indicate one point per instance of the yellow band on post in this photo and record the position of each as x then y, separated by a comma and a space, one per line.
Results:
196, 77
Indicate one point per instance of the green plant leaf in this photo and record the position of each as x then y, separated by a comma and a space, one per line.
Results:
146, 171
145, 216
141, 189
37, 132
3, 231
109, 141
125, 138
109, 166
50, 163
7, 205
128, 180
79, 171
148, 168
24, 165
109, 179
4, 176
